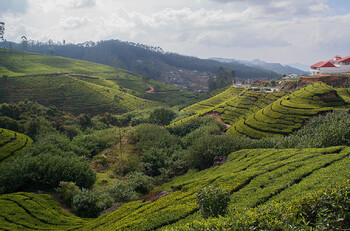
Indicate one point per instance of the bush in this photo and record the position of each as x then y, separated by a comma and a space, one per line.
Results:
121, 192
210, 129
67, 190
97, 141
45, 171
153, 136
332, 129
201, 154
90, 203
213, 201
184, 128
85, 203
162, 116
140, 182
124, 166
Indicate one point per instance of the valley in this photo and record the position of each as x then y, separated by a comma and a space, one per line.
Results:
123, 151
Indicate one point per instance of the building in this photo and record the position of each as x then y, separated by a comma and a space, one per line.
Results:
334, 66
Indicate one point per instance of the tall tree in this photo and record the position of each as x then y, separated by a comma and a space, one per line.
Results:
2, 30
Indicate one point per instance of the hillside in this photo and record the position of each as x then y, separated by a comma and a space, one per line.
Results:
81, 86
253, 177
288, 114
170, 68
276, 67
12, 144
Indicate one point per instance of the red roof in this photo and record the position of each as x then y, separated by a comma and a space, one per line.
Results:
323, 64
343, 60
337, 57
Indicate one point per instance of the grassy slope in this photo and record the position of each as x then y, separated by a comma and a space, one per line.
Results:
12, 144
254, 177
15, 63
290, 112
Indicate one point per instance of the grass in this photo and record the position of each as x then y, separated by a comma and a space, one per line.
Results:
254, 178
12, 144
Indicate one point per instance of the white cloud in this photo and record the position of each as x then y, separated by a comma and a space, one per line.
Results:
73, 22
281, 8
274, 30
76, 3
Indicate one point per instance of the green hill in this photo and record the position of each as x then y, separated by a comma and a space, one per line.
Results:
253, 177
48, 79
12, 144
244, 104
288, 114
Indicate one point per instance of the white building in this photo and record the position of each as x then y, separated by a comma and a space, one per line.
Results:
333, 66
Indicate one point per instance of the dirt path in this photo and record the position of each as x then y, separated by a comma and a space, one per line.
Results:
218, 118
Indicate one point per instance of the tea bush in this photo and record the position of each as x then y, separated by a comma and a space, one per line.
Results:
213, 201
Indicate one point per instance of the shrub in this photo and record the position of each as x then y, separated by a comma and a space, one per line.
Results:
140, 182
184, 128
9, 123
213, 201
153, 136
85, 203
210, 129
97, 141
201, 154
45, 171
124, 166
162, 116
121, 191
67, 190
332, 129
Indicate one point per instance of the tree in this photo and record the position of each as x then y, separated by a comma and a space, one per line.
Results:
24, 43
2, 30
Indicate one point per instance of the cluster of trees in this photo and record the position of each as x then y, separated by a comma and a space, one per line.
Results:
220, 79
136, 57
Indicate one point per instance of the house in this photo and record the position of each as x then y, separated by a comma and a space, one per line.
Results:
334, 66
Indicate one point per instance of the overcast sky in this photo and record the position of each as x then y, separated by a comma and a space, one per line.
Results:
285, 31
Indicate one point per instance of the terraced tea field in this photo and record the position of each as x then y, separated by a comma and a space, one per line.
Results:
246, 103
209, 104
289, 113
12, 144
25, 66
254, 177
70, 94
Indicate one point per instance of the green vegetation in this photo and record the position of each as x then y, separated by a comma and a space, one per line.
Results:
213, 202
253, 177
12, 144
265, 175
209, 104
290, 112
80, 86
244, 104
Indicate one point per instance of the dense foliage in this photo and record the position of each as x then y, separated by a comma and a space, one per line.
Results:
213, 202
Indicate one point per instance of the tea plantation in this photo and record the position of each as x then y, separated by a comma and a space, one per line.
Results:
253, 177
12, 144
287, 114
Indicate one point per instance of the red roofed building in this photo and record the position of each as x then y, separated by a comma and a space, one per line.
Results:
335, 65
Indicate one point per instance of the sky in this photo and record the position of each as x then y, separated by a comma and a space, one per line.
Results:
283, 31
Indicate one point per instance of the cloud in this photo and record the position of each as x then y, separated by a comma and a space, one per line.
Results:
73, 22
281, 8
76, 4
13, 6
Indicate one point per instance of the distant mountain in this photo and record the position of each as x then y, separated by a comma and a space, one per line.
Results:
300, 66
170, 68
276, 67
